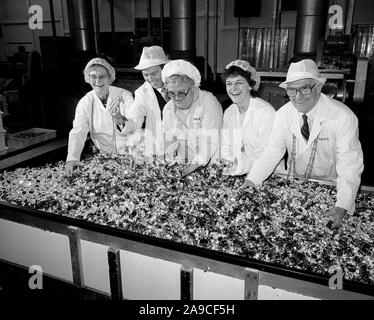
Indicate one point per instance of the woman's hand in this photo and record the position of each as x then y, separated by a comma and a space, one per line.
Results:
114, 109
69, 167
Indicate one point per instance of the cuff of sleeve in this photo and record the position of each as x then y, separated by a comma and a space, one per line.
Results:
347, 206
257, 182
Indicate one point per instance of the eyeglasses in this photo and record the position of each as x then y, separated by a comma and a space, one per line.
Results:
180, 95
94, 77
305, 91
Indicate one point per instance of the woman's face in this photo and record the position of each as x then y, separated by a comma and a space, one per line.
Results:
99, 80
238, 89
181, 93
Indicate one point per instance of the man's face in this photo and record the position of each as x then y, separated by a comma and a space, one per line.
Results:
304, 102
181, 93
99, 80
153, 76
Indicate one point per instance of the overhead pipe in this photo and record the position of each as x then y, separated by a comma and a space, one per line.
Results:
113, 30
81, 24
162, 23
149, 17
97, 29
310, 14
206, 41
183, 28
349, 17
215, 52
273, 31
53, 21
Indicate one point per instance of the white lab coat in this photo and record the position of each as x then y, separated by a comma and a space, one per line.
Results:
250, 137
196, 140
146, 105
91, 107
338, 157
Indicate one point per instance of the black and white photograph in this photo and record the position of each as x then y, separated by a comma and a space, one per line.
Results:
182, 157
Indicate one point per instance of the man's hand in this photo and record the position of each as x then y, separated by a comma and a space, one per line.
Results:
189, 169
338, 213
69, 167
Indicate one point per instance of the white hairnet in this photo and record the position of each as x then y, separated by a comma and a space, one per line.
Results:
181, 67
103, 63
244, 65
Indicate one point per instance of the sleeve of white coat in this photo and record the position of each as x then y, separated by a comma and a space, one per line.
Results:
273, 152
135, 114
349, 162
265, 126
227, 152
78, 134
211, 127
128, 101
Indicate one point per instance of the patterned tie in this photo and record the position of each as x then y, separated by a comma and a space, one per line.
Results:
305, 127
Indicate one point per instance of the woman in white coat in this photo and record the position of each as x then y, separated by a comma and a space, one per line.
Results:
247, 123
192, 118
99, 113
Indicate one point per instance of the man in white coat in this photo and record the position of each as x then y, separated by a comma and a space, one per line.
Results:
320, 135
192, 118
98, 113
150, 99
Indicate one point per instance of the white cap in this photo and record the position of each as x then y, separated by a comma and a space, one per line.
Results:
244, 65
102, 62
182, 67
151, 56
304, 69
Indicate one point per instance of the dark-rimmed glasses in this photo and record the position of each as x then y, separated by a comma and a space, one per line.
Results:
180, 95
305, 91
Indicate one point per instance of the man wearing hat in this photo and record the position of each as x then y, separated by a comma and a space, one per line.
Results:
320, 135
150, 98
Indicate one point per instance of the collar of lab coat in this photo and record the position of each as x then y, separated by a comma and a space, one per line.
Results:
98, 101
322, 113
151, 98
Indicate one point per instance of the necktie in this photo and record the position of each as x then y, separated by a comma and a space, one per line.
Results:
305, 127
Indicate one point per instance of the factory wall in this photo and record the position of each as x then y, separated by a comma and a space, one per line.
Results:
14, 22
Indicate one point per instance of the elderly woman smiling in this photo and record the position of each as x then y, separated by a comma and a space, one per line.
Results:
99, 113
247, 123
192, 118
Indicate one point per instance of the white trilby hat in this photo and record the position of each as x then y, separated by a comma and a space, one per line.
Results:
151, 56
182, 67
304, 69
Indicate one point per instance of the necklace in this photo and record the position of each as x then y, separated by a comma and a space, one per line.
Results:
309, 168
103, 145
